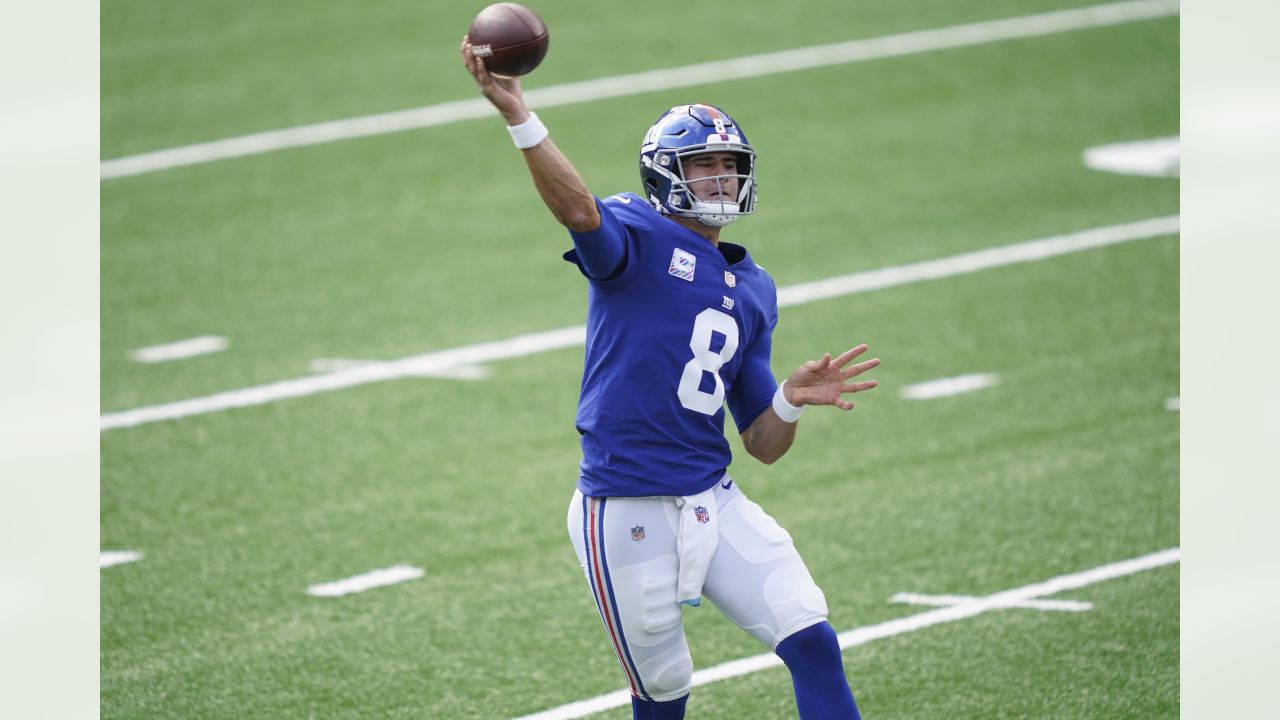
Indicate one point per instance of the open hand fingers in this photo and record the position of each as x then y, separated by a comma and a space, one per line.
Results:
850, 354
859, 368
854, 387
823, 381
858, 386
817, 366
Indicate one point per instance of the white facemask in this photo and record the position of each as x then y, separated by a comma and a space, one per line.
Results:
711, 213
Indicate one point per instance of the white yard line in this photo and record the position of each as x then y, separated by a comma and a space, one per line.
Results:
180, 350
460, 372
911, 623
118, 557
412, 366
1157, 157
750, 66
948, 600
523, 345
366, 581
1029, 251
946, 387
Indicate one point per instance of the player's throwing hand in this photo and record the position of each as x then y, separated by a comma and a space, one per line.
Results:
504, 92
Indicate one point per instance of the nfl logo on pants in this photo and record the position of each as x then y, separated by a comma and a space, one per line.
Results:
700, 514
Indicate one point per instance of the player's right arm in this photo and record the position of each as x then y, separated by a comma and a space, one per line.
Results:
557, 181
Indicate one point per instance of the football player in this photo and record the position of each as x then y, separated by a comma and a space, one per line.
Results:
679, 323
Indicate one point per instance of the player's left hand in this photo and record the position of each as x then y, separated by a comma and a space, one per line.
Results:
823, 382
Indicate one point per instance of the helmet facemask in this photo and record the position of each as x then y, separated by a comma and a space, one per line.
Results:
718, 205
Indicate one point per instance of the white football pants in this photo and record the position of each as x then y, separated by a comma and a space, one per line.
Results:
627, 550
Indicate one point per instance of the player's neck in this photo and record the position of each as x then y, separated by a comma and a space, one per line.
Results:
706, 231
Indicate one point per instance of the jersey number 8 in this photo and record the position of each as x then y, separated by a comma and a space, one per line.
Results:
705, 360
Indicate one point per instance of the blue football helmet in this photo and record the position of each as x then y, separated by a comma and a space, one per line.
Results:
687, 130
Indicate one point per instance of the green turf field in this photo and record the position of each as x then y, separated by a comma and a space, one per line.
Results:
421, 241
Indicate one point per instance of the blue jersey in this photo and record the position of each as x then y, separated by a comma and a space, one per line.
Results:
681, 328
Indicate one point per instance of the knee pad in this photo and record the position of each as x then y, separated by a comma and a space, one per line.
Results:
667, 677
796, 600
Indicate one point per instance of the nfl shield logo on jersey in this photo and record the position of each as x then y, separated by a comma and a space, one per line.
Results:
729, 279
682, 265
637, 533
701, 515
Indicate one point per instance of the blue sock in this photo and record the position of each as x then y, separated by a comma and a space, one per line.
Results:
817, 674
652, 710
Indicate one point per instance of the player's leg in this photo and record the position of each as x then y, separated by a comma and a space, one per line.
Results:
759, 581
626, 547
817, 674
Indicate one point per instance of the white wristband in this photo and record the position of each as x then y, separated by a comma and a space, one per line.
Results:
785, 410
528, 133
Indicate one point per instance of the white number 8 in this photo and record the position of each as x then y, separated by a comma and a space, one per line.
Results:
706, 361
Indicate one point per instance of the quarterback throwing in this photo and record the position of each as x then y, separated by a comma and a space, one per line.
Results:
679, 325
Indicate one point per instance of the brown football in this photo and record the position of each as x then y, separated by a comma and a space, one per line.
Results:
510, 38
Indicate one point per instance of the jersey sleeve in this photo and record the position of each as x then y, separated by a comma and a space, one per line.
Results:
752, 391
601, 254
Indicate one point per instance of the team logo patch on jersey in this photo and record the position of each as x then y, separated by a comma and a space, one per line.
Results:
637, 533
729, 279
682, 265
701, 515
728, 302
